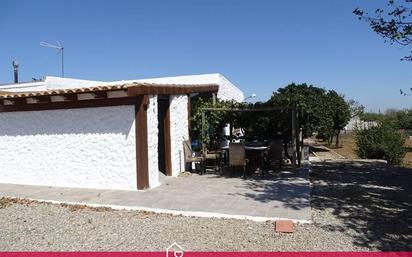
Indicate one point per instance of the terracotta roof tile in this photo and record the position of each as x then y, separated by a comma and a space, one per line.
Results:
10, 95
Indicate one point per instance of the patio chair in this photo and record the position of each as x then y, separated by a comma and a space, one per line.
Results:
275, 154
237, 157
214, 157
190, 157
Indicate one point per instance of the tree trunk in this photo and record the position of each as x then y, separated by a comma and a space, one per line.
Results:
285, 149
337, 138
330, 140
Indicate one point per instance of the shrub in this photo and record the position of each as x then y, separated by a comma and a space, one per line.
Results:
381, 142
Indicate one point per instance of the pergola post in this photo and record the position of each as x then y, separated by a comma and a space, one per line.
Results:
189, 116
203, 130
294, 137
214, 98
298, 138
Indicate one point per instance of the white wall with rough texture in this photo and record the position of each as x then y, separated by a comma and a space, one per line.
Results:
152, 140
178, 131
87, 147
227, 90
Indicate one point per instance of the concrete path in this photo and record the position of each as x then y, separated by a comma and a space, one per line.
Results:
282, 196
324, 153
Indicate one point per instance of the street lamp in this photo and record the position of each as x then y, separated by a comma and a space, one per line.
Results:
250, 97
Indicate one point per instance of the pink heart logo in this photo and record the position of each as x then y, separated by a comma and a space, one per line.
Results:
178, 253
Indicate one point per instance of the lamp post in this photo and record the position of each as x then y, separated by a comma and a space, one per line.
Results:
249, 97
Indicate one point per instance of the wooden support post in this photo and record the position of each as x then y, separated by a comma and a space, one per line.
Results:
301, 144
294, 138
230, 131
189, 116
298, 139
167, 141
142, 156
203, 130
214, 98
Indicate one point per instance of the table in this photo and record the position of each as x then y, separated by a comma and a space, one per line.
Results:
261, 149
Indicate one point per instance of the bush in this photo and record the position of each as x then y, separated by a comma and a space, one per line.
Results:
381, 142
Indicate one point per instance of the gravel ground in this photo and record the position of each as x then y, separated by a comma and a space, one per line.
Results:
35, 226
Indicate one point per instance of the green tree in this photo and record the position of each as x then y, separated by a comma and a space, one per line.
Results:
394, 23
341, 113
215, 121
321, 111
371, 116
402, 119
356, 109
315, 114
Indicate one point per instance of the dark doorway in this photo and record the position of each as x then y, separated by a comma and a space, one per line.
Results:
164, 157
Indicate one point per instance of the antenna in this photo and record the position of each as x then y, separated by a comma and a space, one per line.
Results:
59, 48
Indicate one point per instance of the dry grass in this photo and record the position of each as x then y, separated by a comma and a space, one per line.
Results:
8, 201
4, 202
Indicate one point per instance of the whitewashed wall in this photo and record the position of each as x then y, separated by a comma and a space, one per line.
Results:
88, 147
228, 91
152, 140
178, 131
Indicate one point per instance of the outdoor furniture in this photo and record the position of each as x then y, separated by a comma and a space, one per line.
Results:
259, 154
214, 157
191, 157
251, 151
237, 157
275, 153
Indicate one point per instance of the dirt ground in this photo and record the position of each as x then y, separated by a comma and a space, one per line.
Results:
356, 206
348, 148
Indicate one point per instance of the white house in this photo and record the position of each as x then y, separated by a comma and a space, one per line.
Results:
356, 123
227, 90
113, 135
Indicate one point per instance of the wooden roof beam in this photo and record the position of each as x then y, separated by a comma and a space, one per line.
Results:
170, 90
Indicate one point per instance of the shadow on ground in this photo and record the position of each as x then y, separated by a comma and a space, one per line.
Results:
373, 201
288, 187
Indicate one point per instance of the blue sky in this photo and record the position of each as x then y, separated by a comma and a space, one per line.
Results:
258, 45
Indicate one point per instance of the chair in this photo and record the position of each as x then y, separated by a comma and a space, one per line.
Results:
215, 157
275, 154
237, 157
191, 157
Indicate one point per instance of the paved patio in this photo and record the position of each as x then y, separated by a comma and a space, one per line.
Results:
281, 196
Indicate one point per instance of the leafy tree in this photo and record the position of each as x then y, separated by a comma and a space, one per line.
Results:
314, 111
215, 121
400, 119
356, 109
321, 111
394, 24
341, 113
371, 116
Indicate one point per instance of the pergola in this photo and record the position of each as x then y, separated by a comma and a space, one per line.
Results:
293, 118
